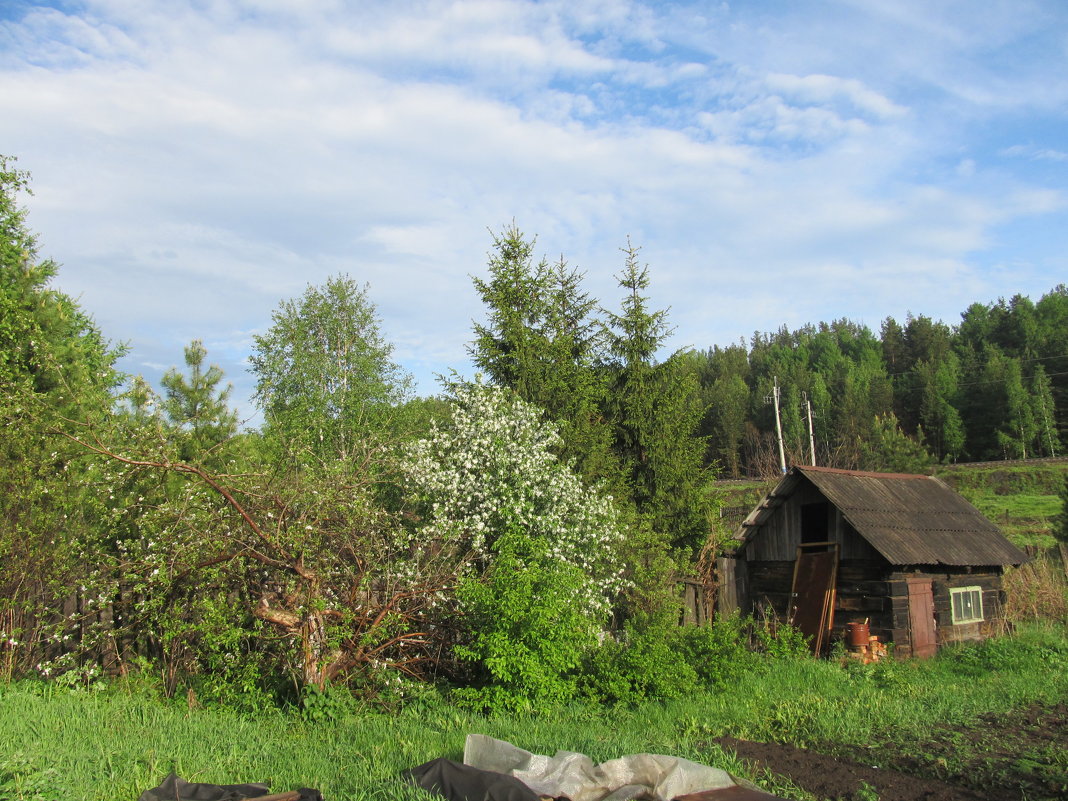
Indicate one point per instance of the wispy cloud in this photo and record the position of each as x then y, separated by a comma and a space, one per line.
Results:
1035, 153
195, 163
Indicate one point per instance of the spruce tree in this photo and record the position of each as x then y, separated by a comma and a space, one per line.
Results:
541, 340
655, 410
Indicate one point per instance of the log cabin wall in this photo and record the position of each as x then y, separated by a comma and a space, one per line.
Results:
989, 580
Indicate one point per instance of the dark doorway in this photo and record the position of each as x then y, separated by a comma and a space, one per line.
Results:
815, 522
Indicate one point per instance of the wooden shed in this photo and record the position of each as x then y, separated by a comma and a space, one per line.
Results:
904, 553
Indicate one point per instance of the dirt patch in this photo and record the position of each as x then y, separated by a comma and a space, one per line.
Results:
1022, 755
842, 778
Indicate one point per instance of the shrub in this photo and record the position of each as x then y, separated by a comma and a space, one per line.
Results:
647, 662
719, 653
526, 631
536, 551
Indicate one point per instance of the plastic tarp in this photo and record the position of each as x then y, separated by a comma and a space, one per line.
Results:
175, 788
575, 776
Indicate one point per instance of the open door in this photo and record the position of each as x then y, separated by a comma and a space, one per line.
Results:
813, 593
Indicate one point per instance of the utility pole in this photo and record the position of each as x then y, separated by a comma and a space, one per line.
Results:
778, 424
811, 437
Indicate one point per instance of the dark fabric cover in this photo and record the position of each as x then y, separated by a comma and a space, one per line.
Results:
174, 788
458, 782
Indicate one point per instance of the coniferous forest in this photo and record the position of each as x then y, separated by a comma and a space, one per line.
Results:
486, 537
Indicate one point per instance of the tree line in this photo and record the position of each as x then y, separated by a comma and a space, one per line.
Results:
918, 393
486, 537
993, 387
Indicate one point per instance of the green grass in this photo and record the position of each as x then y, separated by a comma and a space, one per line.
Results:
115, 741
1024, 519
1022, 499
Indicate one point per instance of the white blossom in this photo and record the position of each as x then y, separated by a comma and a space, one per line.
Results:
490, 466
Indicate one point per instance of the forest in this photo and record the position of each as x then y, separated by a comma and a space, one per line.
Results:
484, 539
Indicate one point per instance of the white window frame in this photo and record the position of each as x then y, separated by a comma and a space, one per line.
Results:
966, 604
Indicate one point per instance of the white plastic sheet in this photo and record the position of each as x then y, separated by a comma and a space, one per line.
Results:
575, 776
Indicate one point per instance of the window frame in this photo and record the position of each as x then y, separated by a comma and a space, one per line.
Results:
956, 596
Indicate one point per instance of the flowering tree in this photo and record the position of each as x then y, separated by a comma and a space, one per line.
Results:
490, 469
537, 549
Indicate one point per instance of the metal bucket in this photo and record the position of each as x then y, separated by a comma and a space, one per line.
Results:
857, 634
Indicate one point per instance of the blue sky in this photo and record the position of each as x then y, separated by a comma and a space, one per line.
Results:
195, 162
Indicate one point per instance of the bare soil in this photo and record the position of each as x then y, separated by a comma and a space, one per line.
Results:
1022, 756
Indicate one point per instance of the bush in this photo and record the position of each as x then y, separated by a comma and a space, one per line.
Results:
719, 653
527, 634
647, 662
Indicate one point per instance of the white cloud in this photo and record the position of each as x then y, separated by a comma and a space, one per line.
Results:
194, 164
824, 89
1035, 153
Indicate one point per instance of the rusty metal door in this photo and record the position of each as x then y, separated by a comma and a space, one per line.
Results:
921, 618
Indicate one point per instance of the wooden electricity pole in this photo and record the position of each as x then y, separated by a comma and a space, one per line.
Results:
778, 427
811, 438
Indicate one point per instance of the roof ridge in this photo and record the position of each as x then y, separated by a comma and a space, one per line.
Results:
804, 468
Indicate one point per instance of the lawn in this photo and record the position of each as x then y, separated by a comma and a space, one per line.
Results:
113, 740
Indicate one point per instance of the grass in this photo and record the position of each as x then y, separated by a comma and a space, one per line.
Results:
1037, 590
1024, 519
114, 741
1022, 499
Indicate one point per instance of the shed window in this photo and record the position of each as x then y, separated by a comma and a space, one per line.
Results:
967, 604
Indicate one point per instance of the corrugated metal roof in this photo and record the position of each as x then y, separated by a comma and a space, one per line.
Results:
909, 519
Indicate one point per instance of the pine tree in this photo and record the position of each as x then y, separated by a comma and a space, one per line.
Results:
197, 407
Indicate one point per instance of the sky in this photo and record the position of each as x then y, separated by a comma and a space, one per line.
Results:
779, 162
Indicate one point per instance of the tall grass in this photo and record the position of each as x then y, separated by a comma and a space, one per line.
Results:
1037, 590
113, 741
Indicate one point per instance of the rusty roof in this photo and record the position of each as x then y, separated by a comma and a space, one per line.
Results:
909, 519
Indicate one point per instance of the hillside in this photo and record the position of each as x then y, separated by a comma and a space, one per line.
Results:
1021, 497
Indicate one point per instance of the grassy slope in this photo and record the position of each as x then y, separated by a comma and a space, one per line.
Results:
108, 743
1022, 499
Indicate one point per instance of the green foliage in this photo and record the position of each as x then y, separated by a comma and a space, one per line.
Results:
536, 549
198, 408
55, 366
325, 375
645, 663
655, 410
783, 642
527, 634
719, 652
892, 450
542, 340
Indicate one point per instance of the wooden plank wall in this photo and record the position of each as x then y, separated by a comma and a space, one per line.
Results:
780, 535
